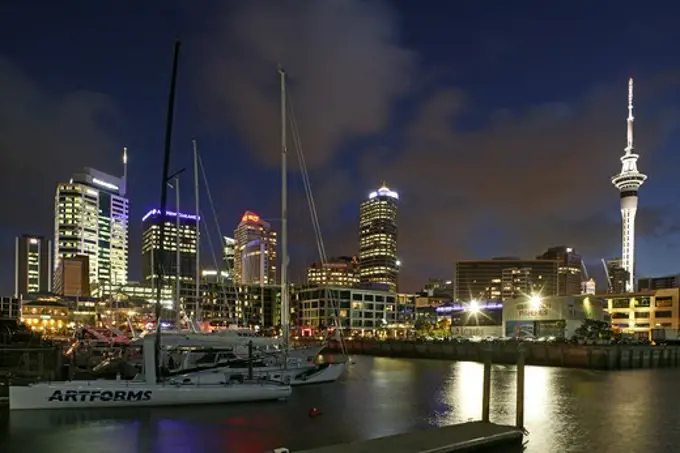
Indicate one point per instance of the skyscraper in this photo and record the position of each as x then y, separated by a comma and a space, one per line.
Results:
151, 250
628, 182
254, 251
570, 269
378, 262
228, 256
336, 271
91, 219
33, 265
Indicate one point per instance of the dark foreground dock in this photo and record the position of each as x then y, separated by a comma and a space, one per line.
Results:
479, 437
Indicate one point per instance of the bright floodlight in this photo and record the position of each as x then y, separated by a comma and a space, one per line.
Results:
535, 302
474, 306
398, 263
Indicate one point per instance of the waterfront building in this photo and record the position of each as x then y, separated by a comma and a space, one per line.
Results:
254, 251
141, 291
628, 182
378, 238
175, 224
504, 278
474, 318
639, 312
569, 269
556, 316
337, 271
355, 309
406, 308
32, 265
91, 219
48, 315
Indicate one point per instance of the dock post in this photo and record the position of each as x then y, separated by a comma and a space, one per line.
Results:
519, 410
250, 360
486, 390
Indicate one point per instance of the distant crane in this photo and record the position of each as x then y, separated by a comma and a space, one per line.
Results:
606, 273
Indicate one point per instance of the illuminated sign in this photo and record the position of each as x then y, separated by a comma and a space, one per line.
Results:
459, 307
106, 185
250, 217
384, 192
157, 212
98, 395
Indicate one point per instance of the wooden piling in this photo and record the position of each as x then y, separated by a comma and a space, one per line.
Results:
519, 408
486, 389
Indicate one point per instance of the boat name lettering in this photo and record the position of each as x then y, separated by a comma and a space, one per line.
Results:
98, 395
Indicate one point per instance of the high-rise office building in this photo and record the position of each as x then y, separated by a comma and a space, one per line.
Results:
151, 245
378, 262
504, 278
91, 219
254, 251
617, 276
228, 257
628, 182
72, 277
654, 283
33, 265
570, 270
337, 271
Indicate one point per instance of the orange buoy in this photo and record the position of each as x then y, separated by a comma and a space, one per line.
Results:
314, 412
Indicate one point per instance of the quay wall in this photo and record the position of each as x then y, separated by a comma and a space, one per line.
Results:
602, 357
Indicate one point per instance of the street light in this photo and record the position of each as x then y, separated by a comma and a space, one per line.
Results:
535, 302
474, 306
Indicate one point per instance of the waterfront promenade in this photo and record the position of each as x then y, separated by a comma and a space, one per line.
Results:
601, 357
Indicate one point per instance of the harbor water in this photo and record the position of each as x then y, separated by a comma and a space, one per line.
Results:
566, 410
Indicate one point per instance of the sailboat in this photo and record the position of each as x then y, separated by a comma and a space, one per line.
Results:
299, 374
150, 388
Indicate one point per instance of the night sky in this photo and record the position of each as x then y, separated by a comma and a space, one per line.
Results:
499, 123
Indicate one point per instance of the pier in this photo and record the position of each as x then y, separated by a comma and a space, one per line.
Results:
467, 437
599, 357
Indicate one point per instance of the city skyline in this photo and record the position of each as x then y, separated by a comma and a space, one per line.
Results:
490, 155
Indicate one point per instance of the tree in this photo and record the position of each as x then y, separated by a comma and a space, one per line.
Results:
594, 330
423, 326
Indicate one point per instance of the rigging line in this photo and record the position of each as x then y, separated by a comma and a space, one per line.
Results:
215, 218
314, 215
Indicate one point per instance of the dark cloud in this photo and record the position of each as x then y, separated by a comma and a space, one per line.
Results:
44, 138
536, 178
344, 66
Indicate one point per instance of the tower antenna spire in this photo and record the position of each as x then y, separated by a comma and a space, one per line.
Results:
629, 145
124, 169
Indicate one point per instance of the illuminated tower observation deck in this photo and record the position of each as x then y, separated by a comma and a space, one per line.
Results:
628, 182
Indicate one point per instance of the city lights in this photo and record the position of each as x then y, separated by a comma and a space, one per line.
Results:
535, 302
155, 212
474, 306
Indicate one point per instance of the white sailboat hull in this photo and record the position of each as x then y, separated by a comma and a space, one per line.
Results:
108, 394
318, 374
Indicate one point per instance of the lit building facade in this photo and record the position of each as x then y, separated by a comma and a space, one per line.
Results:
556, 316
628, 181
654, 283
91, 219
33, 265
378, 233
569, 271
10, 307
254, 251
499, 279
151, 246
228, 256
338, 271
352, 308
640, 312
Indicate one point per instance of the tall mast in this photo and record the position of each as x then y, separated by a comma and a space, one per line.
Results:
198, 236
285, 310
177, 256
163, 207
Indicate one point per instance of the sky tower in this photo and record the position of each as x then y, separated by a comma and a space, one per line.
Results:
628, 182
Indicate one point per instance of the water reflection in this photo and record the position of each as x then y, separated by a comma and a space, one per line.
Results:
565, 411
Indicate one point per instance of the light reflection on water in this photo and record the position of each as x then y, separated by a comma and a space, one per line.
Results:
565, 411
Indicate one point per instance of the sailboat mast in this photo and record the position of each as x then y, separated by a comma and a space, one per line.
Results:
163, 207
285, 310
177, 256
198, 237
